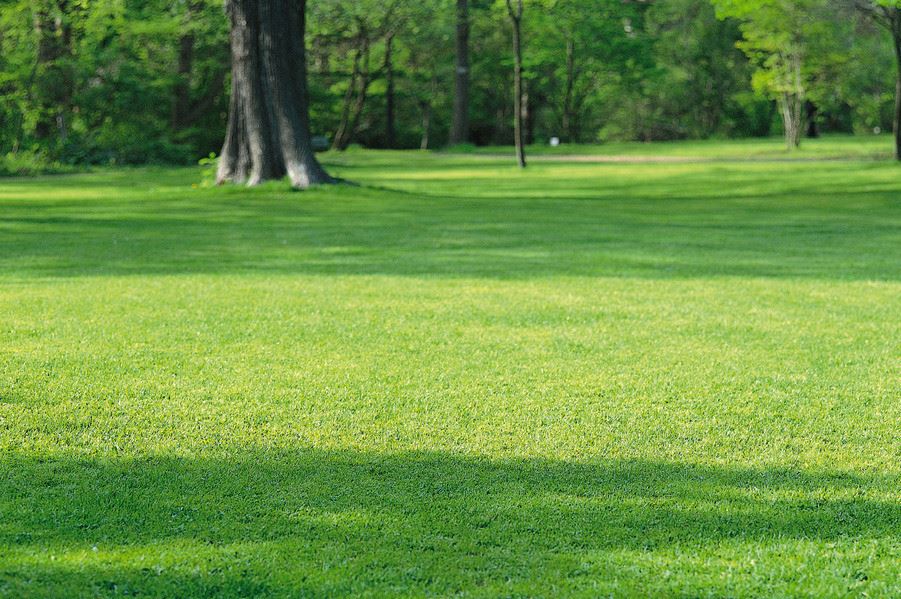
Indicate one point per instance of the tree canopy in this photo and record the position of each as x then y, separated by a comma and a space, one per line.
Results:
134, 81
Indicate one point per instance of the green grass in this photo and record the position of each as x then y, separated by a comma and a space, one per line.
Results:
827, 147
675, 380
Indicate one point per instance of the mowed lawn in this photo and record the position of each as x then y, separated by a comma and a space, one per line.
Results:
456, 379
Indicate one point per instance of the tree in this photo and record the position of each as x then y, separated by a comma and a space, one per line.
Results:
699, 70
515, 11
201, 70
268, 132
888, 14
460, 122
776, 37
54, 79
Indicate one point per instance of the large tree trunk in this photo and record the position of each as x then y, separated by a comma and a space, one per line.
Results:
460, 122
268, 133
518, 98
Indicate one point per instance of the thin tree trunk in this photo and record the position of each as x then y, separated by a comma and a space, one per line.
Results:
518, 129
338, 143
389, 92
353, 108
568, 117
896, 35
460, 121
791, 101
426, 108
268, 133
181, 102
527, 120
361, 100
790, 110
813, 129
54, 78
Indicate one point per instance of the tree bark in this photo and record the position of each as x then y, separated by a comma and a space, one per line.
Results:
268, 132
791, 101
790, 110
518, 113
460, 122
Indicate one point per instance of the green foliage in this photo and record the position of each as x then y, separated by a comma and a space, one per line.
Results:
457, 379
110, 82
209, 164
31, 163
93, 81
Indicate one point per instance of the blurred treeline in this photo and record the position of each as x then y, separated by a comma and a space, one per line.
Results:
135, 81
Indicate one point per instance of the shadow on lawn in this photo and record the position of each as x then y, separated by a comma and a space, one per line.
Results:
376, 518
688, 225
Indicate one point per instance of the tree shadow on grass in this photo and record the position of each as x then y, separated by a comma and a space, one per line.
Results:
375, 518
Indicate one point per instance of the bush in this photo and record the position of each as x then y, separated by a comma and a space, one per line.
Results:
30, 163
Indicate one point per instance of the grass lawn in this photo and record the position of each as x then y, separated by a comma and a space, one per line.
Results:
456, 378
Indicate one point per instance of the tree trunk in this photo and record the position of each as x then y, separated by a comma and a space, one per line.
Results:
813, 129
568, 117
527, 120
338, 143
518, 132
389, 92
268, 132
54, 78
460, 123
361, 99
790, 110
791, 100
426, 108
896, 35
181, 102
350, 114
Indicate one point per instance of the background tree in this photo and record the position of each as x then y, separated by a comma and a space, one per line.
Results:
887, 13
777, 34
460, 123
111, 82
515, 12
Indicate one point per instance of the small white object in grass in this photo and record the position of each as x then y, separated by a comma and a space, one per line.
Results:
877, 130
555, 141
